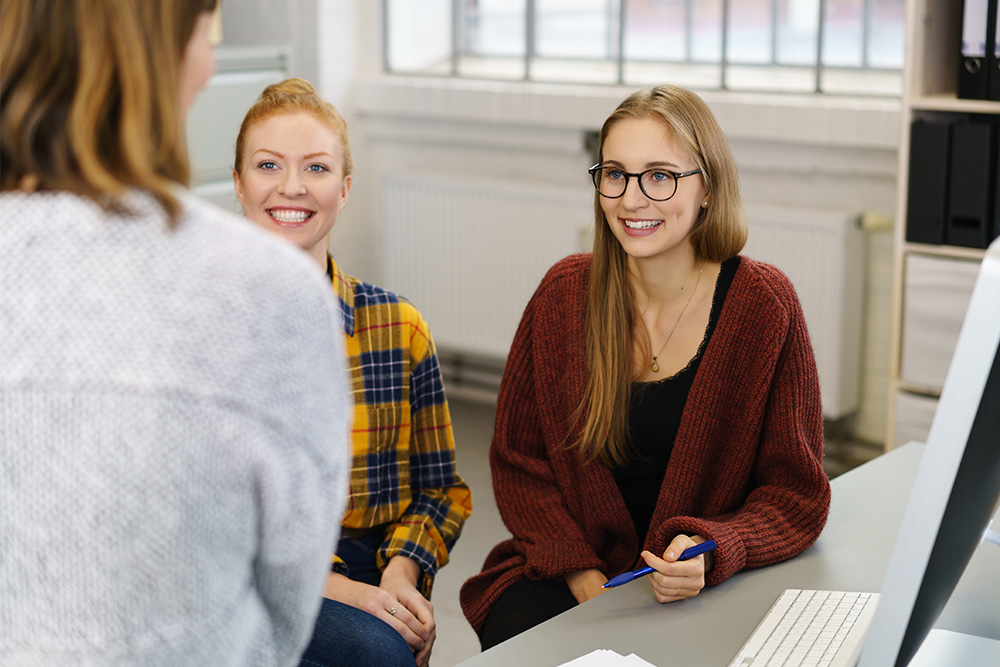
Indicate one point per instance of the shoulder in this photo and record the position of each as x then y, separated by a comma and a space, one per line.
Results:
374, 298
204, 220
208, 307
235, 259
571, 267
263, 286
764, 283
236, 251
393, 315
251, 294
369, 295
567, 276
558, 305
34, 215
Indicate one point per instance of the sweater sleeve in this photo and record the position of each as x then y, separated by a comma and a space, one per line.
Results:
527, 482
788, 496
300, 482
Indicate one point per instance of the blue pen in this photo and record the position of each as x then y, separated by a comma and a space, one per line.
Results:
687, 554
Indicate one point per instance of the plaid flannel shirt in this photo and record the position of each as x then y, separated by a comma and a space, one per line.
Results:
403, 476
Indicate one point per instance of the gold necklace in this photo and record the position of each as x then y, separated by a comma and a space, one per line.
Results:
654, 366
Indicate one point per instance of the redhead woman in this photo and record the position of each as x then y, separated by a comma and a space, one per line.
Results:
406, 504
167, 447
660, 391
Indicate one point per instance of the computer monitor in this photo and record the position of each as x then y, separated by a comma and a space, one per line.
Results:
956, 490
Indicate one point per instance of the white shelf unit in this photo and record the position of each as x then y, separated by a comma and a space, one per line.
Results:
933, 38
213, 122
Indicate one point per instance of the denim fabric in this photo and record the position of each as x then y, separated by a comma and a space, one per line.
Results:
358, 555
346, 636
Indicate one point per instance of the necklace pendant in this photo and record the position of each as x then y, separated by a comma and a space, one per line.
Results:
655, 367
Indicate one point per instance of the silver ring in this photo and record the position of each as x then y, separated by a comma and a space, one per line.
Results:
392, 612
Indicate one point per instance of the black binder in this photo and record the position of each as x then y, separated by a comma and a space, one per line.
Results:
971, 184
993, 56
978, 33
927, 192
995, 232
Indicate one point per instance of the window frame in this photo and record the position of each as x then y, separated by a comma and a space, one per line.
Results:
728, 67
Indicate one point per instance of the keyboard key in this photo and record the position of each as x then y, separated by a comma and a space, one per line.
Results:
809, 628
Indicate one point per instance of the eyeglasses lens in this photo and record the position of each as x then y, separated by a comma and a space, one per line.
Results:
656, 184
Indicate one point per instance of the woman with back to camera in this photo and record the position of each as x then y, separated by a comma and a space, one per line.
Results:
659, 392
173, 398
407, 502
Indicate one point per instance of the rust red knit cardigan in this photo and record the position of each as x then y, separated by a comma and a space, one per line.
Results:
746, 468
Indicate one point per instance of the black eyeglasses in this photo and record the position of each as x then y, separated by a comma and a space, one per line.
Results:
658, 184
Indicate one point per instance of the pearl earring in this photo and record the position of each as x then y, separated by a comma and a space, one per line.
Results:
704, 204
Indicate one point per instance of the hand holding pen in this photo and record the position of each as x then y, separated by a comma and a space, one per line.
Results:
687, 554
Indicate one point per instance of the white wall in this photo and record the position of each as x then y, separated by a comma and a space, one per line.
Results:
278, 23
793, 150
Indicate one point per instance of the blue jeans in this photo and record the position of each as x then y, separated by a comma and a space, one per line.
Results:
348, 636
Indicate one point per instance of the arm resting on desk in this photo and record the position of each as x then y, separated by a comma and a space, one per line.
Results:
748, 464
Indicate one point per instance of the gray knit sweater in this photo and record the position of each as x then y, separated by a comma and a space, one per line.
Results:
173, 437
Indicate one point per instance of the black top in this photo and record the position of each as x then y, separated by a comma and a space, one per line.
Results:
655, 411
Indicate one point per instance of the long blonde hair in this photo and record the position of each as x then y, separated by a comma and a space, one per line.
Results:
719, 233
291, 96
89, 96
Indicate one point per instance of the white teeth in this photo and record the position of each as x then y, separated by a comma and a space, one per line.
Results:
284, 215
641, 224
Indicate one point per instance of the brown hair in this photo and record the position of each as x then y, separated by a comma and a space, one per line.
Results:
719, 232
292, 96
89, 96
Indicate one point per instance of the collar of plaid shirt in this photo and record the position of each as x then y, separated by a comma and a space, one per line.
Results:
345, 293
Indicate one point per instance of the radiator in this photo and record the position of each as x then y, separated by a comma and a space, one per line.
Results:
822, 252
470, 252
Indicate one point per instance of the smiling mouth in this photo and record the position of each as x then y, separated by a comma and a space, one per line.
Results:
290, 217
641, 224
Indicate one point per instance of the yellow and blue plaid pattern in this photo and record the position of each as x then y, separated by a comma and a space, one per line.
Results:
403, 476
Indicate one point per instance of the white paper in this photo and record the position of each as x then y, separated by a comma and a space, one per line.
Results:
635, 661
604, 657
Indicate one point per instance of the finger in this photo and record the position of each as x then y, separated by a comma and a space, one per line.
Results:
677, 547
406, 625
678, 587
422, 658
670, 588
653, 561
674, 594
396, 613
412, 624
418, 605
672, 569
422, 629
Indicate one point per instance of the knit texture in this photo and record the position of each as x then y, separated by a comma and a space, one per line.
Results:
173, 436
746, 467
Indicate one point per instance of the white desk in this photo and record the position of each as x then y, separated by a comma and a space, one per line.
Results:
851, 555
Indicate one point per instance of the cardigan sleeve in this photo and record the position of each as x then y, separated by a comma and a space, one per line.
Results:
788, 493
527, 481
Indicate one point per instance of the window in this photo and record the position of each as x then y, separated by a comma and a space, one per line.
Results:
810, 46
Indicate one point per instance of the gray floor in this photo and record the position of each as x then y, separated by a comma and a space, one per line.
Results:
473, 427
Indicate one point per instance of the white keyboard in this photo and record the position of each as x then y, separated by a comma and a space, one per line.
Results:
810, 628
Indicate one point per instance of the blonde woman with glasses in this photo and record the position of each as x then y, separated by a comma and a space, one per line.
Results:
660, 391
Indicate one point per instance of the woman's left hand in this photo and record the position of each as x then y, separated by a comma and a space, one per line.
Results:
676, 580
400, 579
